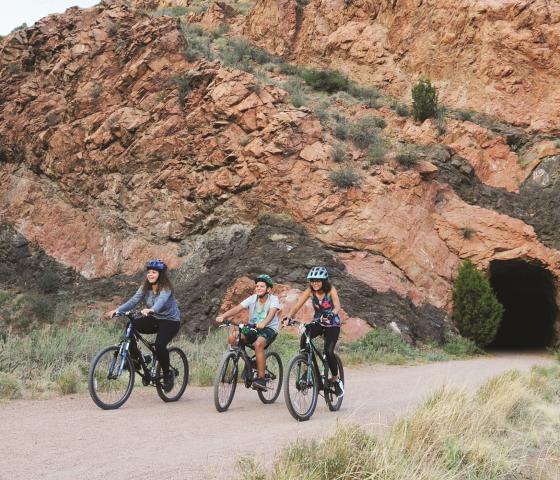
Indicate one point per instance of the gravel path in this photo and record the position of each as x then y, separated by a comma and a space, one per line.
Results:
70, 438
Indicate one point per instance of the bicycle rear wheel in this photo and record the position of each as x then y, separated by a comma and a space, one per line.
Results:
301, 388
273, 378
333, 401
108, 388
225, 382
179, 365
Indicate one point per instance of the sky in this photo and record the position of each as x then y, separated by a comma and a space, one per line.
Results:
16, 12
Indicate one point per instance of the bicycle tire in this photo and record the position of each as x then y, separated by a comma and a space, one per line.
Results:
297, 391
333, 401
225, 382
101, 387
273, 376
179, 363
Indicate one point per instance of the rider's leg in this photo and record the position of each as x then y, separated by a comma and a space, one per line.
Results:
147, 324
331, 337
167, 329
259, 345
314, 330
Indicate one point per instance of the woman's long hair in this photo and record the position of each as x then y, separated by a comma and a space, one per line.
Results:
163, 283
325, 287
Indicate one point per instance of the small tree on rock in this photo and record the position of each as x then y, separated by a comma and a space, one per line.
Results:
424, 101
476, 310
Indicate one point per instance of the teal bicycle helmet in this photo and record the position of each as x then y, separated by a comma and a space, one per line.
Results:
266, 279
318, 273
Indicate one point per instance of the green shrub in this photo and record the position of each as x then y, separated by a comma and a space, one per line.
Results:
345, 177
382, 341
240, 53
465, 115
48, 281
10, 386
376, 152
341, 127
407, 157
296, 89
400, 109
369, 95
184, 84
325, 80
365, 131
476, 310
339, 153
175, 11
467, 232
458, 346
424, 101
198, 42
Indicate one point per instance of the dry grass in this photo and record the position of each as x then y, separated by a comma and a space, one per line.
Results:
509, 429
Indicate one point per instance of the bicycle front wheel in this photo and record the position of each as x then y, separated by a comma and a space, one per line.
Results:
179, 365
333, 401
225, 382
301, 388
110, 378
273, 378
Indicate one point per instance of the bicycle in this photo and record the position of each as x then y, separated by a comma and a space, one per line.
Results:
111, 373
225, 382
304, 381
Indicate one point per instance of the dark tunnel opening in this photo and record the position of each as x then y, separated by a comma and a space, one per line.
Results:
527, 293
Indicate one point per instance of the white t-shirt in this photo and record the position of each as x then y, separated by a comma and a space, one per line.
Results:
258, 311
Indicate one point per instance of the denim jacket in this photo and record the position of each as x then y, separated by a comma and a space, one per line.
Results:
163, 304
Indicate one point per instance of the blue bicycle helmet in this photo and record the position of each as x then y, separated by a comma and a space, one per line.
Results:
156, 264
318, 273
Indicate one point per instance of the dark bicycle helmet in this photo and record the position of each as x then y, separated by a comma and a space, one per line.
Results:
156, 264
266, 279
318, 273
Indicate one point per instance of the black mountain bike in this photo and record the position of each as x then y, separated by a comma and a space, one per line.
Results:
228, 374
111, 373
306, 379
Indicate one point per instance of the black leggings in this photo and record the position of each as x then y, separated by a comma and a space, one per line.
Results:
331, 337
165, 329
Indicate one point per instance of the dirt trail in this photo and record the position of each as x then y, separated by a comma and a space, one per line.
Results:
70, 438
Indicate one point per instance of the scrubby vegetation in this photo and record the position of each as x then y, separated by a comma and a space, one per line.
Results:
508, 429
424, 101
345, 177
476, 310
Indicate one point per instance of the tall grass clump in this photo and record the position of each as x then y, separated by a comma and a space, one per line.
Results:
424, 100
346, 177
476, 310
329, 81
508, 429
376, 152
238, 52
380, 346
198, 42
296, 90
175, 11
10, 386
365, 131
460, 347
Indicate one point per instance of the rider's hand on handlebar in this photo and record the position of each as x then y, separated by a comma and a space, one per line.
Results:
112, 313
220, 319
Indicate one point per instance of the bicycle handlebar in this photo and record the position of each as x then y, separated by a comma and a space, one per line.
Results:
228, 322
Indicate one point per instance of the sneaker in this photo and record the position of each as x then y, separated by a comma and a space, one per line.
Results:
339, 388
169, 381
259, 384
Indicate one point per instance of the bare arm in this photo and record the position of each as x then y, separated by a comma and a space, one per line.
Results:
232, 311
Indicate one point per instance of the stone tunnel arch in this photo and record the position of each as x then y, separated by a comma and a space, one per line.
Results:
528, 293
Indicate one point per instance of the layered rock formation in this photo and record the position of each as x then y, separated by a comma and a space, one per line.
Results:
115, 148
494, 57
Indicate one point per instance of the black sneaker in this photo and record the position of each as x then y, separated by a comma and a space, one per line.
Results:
339, 388
168, 381
259, 384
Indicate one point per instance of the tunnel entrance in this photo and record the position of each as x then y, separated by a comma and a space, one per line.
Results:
528, 294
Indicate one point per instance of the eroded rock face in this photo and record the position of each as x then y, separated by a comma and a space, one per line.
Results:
115, 148
495, 57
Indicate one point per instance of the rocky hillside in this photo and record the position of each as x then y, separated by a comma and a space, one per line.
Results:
118, 144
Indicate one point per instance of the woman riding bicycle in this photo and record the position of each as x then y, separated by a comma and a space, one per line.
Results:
160, 316
326, 320
263, 312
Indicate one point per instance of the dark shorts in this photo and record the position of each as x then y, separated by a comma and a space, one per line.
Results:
268, 333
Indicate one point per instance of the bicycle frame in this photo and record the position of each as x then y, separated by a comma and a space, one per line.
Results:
313, 353
239, 351
148, 373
